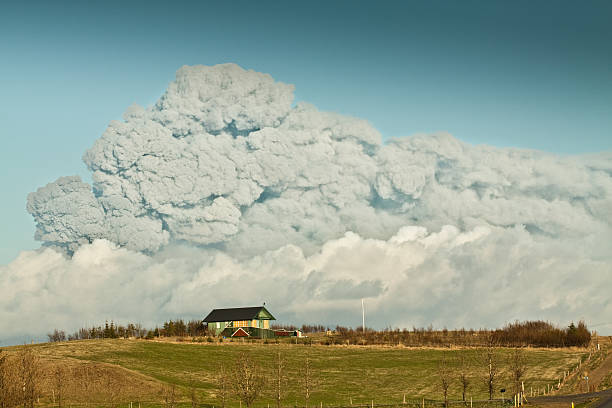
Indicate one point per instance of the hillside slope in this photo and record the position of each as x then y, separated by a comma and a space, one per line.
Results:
342, 374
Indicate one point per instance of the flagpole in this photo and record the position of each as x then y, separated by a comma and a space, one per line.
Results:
362, 317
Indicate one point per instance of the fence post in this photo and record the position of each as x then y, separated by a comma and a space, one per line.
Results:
470, 402
423, 402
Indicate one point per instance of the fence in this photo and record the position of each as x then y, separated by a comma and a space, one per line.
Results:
422, 403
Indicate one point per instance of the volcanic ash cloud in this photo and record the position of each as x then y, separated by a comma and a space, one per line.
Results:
223, 183
223, 159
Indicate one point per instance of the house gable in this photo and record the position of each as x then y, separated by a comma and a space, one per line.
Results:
263, 314
240, 333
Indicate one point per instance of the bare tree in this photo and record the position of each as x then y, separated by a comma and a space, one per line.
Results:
445, 375
518, 366
4, 380
86, 381
113, 387
193, 395
222, 384
308, 379
169, 396
464, 375
489, 359
59, 380
280, 379
11, 389
57, 335
247, 379
29, 375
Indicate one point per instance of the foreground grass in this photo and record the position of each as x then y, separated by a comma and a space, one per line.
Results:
342, 374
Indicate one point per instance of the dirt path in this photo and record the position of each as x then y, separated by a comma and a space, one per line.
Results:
604, 400
600, 372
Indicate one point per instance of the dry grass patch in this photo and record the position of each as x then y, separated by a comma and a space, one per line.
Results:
63, 380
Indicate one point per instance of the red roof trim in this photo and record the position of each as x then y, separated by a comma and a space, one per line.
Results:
240, 333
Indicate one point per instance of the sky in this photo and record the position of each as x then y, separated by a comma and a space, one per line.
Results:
527, 74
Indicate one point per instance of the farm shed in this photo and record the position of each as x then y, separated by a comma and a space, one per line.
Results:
288, 333
254, 321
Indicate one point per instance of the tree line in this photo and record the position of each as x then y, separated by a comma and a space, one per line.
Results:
111, 330
544, 334
517, 334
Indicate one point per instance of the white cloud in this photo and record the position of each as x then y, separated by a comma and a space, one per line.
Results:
482, 277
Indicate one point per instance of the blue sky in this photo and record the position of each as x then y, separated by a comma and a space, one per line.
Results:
530, 74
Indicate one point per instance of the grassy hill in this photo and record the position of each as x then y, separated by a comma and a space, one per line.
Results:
139, 370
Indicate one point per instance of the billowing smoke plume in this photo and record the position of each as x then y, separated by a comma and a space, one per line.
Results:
224, 182
223, 159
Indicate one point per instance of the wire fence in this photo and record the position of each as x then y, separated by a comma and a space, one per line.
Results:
495, 403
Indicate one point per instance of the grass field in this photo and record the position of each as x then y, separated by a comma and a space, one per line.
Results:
343, 374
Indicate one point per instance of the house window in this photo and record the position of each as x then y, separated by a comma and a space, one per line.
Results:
218, 325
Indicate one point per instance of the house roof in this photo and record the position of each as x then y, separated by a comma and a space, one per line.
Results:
238, 313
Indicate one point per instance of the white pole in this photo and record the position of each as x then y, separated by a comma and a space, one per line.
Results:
362, 316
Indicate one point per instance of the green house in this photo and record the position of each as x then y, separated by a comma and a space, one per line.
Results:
253, 322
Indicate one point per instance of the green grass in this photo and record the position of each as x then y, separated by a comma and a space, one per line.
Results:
362, 374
